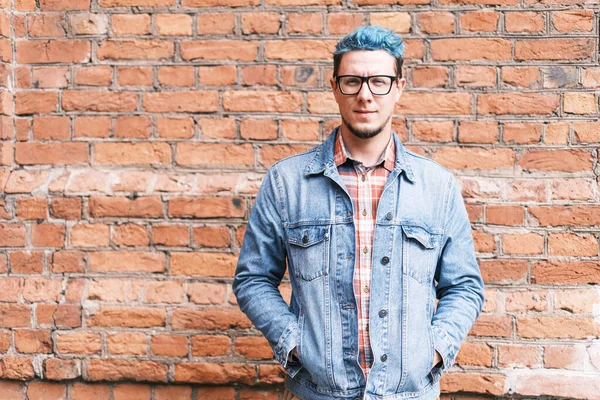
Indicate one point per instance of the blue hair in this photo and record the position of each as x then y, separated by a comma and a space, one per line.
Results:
371, 37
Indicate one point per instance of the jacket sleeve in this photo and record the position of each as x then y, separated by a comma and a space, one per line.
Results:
261, 266
460, 287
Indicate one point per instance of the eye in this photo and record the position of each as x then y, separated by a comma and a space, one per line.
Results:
351, 81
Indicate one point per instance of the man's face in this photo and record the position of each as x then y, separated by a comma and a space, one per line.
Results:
364, 114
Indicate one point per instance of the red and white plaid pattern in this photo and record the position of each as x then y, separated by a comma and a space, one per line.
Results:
365, 186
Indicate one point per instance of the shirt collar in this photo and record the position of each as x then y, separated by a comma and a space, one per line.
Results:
341, 154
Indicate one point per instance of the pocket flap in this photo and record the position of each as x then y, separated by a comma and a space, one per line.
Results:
421, 235
306, 236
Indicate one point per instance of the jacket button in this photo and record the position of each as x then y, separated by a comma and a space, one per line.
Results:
385, 260
389, 216
305, 239
382, 313
383, 357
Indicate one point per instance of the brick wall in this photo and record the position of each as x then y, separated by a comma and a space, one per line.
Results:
135, 133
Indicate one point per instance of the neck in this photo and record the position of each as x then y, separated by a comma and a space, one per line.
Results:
367, 151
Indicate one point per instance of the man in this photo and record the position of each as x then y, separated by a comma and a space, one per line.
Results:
372, 234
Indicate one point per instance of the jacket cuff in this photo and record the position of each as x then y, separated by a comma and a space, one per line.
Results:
444, 347
285, 345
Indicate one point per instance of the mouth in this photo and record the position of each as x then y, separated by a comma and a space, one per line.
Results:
365, 112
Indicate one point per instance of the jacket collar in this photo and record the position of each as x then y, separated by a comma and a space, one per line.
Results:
323, 159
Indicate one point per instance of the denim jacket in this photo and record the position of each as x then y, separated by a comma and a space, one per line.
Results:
422, 251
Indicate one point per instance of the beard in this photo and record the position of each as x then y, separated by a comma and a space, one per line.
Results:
365, 133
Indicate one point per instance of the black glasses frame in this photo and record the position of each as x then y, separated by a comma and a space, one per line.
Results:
364, 79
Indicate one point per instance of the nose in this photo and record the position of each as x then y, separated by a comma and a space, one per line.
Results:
365, 93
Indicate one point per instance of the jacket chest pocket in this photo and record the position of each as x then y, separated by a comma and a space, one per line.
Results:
421, 247
308, 251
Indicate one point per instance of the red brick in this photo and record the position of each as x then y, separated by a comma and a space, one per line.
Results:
344, 23
475, 354
474, 158
207, 293
261, 23
58, 5
525, 301
522, 133
173, 24
554, 49
172, 393
557, 133
93, 127
262, 101
216, 23
99, 75
212, 236
132, 261
10, 289
59, 369
27, 341
132, 49
517, 103
90, 235
258, 129
85, 391
470, 49
433, 131
591, 77
527, 77
203, 264
213, 373
15, 316
53, 51
306, 23
126, 153
12, 390
577, 301
49, 128
129, 317
304, 76
438, 22
478, 132
126, 24
169, 345
220, 75
529, 243
301, 130
556, 160
17, 368
59, 316
219, 50
253, 347
549, 327
270, 154
566, 272
503, 271
259, 75
299, 49
134, 76
138, 127
66, 208
479, 21
573, 21
12, 235
176, 76
32, 208
141, 207
27, 262
579, 103
170, 292
68, 261
437, 103
175, 128
214, 154
572, 244
492, 325
130, 235
475, 76
563, 357
39, 289
170, 235
35, 102
530, 22
209, 319
79, 343
128, 391
130, 370
46, 391
89, 24
131, 343
83, 100
111, 290
429, 76
193, 101
47, 25
518, 356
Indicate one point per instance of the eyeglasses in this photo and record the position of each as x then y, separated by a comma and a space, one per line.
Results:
379, 85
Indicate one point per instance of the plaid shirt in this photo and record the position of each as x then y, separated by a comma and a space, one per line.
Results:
365, 186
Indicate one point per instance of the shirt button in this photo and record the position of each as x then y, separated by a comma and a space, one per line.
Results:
382, 313
366, 289
367, 328
363, 178
385, 260
383, 357
389, 216
364, 213
366, 250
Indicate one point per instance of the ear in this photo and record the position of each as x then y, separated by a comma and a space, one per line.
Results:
332, 83
401, 83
